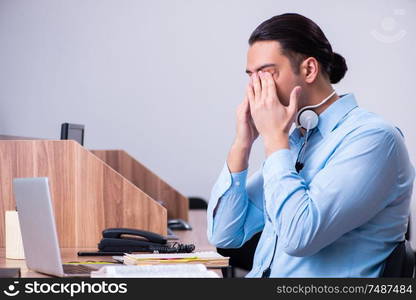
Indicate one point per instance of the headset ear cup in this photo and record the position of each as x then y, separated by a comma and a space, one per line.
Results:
308, 119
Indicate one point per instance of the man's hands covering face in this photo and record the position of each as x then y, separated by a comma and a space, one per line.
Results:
271, 118
261, 112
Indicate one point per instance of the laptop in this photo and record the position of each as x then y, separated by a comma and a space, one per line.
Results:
37, 225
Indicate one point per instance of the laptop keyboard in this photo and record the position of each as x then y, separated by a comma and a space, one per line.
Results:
76, 269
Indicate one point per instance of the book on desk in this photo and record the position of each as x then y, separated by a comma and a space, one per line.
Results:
209, 259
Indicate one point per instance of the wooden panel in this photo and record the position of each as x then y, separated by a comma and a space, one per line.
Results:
56, 160
147, 181
13, 137
88, 195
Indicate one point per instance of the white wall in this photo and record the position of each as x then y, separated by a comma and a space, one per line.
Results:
161, 79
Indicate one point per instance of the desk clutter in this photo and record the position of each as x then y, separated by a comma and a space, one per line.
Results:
167, 265
132, 240
184, 265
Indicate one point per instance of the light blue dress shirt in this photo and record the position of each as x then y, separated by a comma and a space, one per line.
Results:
340, 216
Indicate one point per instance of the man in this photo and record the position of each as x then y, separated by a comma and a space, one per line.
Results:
332, 198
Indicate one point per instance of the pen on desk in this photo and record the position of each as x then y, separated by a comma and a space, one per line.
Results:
98, 253
90, 262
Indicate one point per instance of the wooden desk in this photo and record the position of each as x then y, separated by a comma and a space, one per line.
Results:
197, 236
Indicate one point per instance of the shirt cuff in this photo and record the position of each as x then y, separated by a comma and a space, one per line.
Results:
278, 164
239, 179
226, 182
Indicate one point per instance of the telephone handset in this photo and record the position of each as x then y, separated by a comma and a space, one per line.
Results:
117, 233
133, 240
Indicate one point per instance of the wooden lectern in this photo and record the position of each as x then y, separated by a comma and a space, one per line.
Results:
88, 195
176, 203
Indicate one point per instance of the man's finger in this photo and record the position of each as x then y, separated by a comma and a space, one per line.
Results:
250, 95
256, 86
263, 82
271, 86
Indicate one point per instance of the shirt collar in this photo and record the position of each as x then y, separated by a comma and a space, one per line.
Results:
331, 116
334, 113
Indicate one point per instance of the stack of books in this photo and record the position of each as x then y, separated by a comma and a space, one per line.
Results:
209, 259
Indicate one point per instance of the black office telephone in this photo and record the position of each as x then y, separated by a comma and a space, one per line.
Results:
133, 240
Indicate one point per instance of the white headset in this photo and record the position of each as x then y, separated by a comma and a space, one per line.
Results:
308, 119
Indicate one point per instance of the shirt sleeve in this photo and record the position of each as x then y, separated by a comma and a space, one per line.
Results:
235, 208
357, 182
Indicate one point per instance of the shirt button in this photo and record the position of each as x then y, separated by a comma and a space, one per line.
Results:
237, 183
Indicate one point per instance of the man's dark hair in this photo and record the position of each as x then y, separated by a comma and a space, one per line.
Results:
299, 38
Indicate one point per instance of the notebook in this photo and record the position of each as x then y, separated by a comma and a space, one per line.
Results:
210, 259
155, 271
